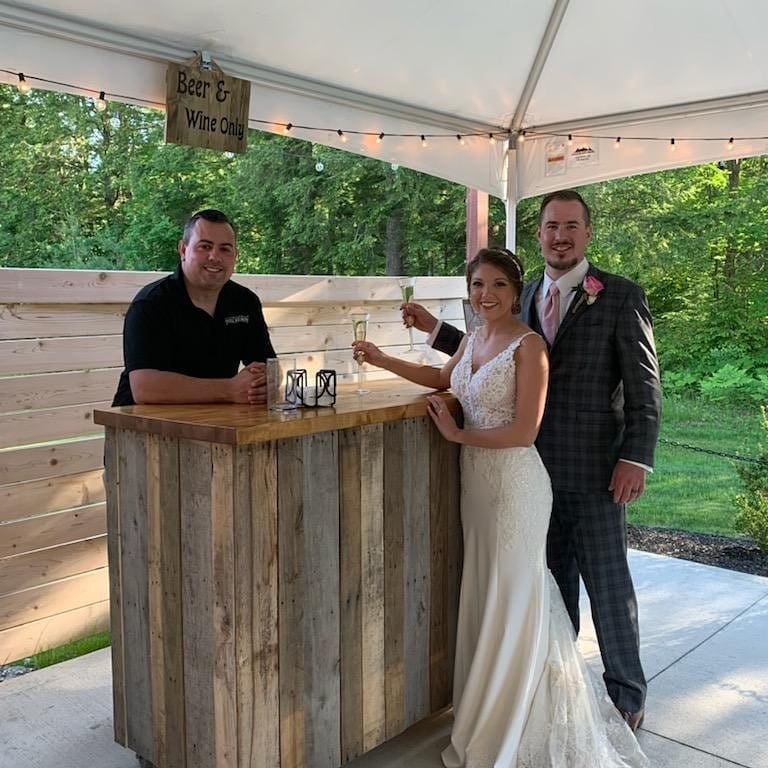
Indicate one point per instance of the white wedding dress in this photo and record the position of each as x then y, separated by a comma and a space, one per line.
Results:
523, 697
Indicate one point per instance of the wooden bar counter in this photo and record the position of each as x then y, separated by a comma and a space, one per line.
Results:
284, 587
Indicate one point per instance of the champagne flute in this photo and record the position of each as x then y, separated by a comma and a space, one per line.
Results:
407, 285
359, 331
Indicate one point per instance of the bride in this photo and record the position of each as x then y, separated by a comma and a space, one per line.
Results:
522, 697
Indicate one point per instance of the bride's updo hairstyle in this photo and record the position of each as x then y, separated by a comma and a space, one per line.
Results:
507, 262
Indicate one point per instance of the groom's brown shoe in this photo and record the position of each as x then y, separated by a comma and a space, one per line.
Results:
633, 719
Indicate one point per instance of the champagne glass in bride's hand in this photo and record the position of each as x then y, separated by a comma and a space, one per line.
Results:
359, 331
406, 289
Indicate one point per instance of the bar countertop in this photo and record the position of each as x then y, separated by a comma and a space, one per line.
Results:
231, 424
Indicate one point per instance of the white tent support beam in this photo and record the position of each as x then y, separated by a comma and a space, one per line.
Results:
539, 62
511, 199
624, 120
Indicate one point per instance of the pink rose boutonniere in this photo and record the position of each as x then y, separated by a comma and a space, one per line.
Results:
589, 290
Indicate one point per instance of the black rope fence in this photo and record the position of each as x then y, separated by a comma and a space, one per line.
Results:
711, 451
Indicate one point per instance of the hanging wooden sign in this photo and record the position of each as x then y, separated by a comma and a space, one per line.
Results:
206, 108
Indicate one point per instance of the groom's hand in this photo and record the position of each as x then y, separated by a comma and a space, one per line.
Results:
627, 482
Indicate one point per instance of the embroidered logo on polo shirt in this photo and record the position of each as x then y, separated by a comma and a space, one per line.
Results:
235, 319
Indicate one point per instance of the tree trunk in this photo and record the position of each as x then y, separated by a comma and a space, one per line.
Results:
393, 242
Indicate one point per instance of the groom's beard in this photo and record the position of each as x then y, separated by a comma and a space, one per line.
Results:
562, 263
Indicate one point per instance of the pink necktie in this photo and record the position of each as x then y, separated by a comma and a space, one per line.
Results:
551, 318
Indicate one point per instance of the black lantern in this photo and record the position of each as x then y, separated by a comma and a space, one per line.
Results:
325, 387
295, 384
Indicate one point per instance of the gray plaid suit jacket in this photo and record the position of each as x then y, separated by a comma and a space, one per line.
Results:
604, 399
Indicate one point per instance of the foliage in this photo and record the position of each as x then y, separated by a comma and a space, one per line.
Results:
694, 489
752, 517
85, 189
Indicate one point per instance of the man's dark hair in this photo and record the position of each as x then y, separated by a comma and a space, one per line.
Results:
566, 195
209, 214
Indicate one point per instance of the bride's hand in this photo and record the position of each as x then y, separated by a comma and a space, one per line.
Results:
365, 352
443, 419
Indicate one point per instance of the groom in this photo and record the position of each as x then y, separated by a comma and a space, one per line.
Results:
599, 431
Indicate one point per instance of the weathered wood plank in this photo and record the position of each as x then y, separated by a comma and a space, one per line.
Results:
37, 568
195, 476
372, 584
322, 694
351, 598
256, 626
416, 563
224, 682
445, 557
52, 390
33, 320
57, 597
67, 458
112, 440
394, 602
134, 574
19, 501
52, 530
48, 424
292, 598
71, 353
48, 632
48, 286
168, 647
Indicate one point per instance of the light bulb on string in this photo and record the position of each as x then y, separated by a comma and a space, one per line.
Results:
521, 136
570, 140
23, 86
287, 128
491, 138
617, 143
423, 140
730, 143
101, 102
380, 138
460, 139
342, 135
671, 145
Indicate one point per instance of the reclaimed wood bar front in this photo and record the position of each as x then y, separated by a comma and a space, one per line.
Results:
284, 588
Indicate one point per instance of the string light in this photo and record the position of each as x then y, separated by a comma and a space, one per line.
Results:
23, 86
101, 105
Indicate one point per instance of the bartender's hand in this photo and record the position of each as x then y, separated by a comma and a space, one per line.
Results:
257, 392
365, 352
240, 385
414, 315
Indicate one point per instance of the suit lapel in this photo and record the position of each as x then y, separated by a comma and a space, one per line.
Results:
576, 310
528, 307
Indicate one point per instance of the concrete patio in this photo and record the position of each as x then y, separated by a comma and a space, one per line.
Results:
704, 648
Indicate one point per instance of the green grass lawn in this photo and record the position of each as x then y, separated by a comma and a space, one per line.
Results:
691, 490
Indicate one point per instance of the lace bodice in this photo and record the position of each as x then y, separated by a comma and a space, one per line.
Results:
487, 396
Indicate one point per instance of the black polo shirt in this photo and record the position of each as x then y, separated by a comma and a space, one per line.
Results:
165, 331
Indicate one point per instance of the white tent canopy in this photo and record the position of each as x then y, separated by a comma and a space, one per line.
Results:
643, 70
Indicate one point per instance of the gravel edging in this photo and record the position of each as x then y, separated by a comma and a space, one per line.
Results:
735, 554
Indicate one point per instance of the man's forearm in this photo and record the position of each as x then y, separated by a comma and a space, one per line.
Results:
152, 386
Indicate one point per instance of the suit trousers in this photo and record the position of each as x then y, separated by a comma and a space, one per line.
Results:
588, 537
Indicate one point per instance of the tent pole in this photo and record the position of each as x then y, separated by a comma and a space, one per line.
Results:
511, 199
477, 221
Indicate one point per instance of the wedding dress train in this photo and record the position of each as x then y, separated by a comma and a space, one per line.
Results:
523, 697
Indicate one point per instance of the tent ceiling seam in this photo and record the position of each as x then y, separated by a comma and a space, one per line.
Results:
539, 62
